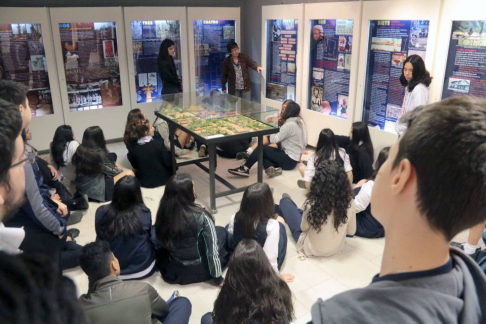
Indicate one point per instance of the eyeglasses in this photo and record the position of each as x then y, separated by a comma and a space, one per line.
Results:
28, 157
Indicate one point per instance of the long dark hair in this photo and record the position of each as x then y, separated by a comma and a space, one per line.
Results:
62, 136
164, 60
291, 110
135, 113
330, 192
326, 147
176, 209
419, 73
382, 157
252, 292
132, 115
121, 218
256, 207
87, 158
361, 133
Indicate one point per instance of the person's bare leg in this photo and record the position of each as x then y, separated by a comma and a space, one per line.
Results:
182, 137
124, 173
302, 169
265, 142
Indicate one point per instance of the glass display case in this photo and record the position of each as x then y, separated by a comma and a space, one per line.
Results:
218, 115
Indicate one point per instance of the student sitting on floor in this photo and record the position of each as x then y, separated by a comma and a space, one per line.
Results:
256, 220
327, 149
286, 146
96, 170
193, 248
62, 149
149, 157
366, 224
360, 149
111, 300
431, 187
126, 224
253, 292
329, 213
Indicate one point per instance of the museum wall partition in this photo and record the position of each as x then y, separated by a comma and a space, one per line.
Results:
340, 60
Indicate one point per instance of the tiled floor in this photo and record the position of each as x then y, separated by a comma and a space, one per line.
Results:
314, 278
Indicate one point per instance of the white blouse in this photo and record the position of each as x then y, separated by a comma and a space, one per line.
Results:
310, 171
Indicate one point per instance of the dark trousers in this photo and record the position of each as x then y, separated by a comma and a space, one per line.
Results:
271, 157
180, 310
70, 255
230, 149
206, 319
282, 246
292, 216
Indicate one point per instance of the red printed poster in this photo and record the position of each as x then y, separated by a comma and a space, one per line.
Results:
108, 49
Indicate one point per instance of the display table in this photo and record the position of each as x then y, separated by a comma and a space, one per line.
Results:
213, 121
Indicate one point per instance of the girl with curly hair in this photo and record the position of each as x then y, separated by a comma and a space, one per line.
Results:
149, 157
328, 215
252, 292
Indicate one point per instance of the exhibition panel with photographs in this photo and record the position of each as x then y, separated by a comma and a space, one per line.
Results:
23, 59
330, 65
281, 59
210, 39
146, 39
90, 55
390, 43
466, 62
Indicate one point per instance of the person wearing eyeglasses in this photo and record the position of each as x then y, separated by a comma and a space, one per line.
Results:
11, 167
43, 218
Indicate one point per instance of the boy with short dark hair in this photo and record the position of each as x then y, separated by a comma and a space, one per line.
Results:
432, 186
111, 300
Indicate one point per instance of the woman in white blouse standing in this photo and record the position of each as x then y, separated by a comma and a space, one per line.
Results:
416, 80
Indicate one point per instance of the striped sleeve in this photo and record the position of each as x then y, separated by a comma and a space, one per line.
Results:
211, 245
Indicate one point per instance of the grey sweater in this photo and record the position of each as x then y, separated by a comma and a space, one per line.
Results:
458, 296
292, 138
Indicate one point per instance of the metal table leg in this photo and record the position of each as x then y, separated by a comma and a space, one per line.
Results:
172, 147
260, 158
212, 181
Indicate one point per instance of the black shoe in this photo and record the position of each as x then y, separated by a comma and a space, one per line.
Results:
74, 218
305, 162
202, 151
273, 172
80, 203
301, 184
242, 156
73, 233
240, 171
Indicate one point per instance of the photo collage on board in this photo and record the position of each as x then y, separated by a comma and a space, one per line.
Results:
281, 59
147, 35
390, 43
90, 55
466, 61
210, 40
23, 60
330, 66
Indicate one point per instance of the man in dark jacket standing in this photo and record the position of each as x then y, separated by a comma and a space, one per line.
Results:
111, 300
235, 72
431, 187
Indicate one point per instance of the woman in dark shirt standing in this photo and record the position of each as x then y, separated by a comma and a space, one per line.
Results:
171, 83
235, 71
360, 150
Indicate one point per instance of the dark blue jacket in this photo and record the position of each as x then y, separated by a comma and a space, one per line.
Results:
135, 253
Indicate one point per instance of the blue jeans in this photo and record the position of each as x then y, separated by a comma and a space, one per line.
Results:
179, 311
292, 215
206, 319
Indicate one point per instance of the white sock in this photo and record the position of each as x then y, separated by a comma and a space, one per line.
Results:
249, 150
470, 249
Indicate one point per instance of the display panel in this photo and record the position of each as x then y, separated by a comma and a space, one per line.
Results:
146, 38
91, 66
210, 40
281, 59
466, 61
390, 42
23, 60
330, 64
